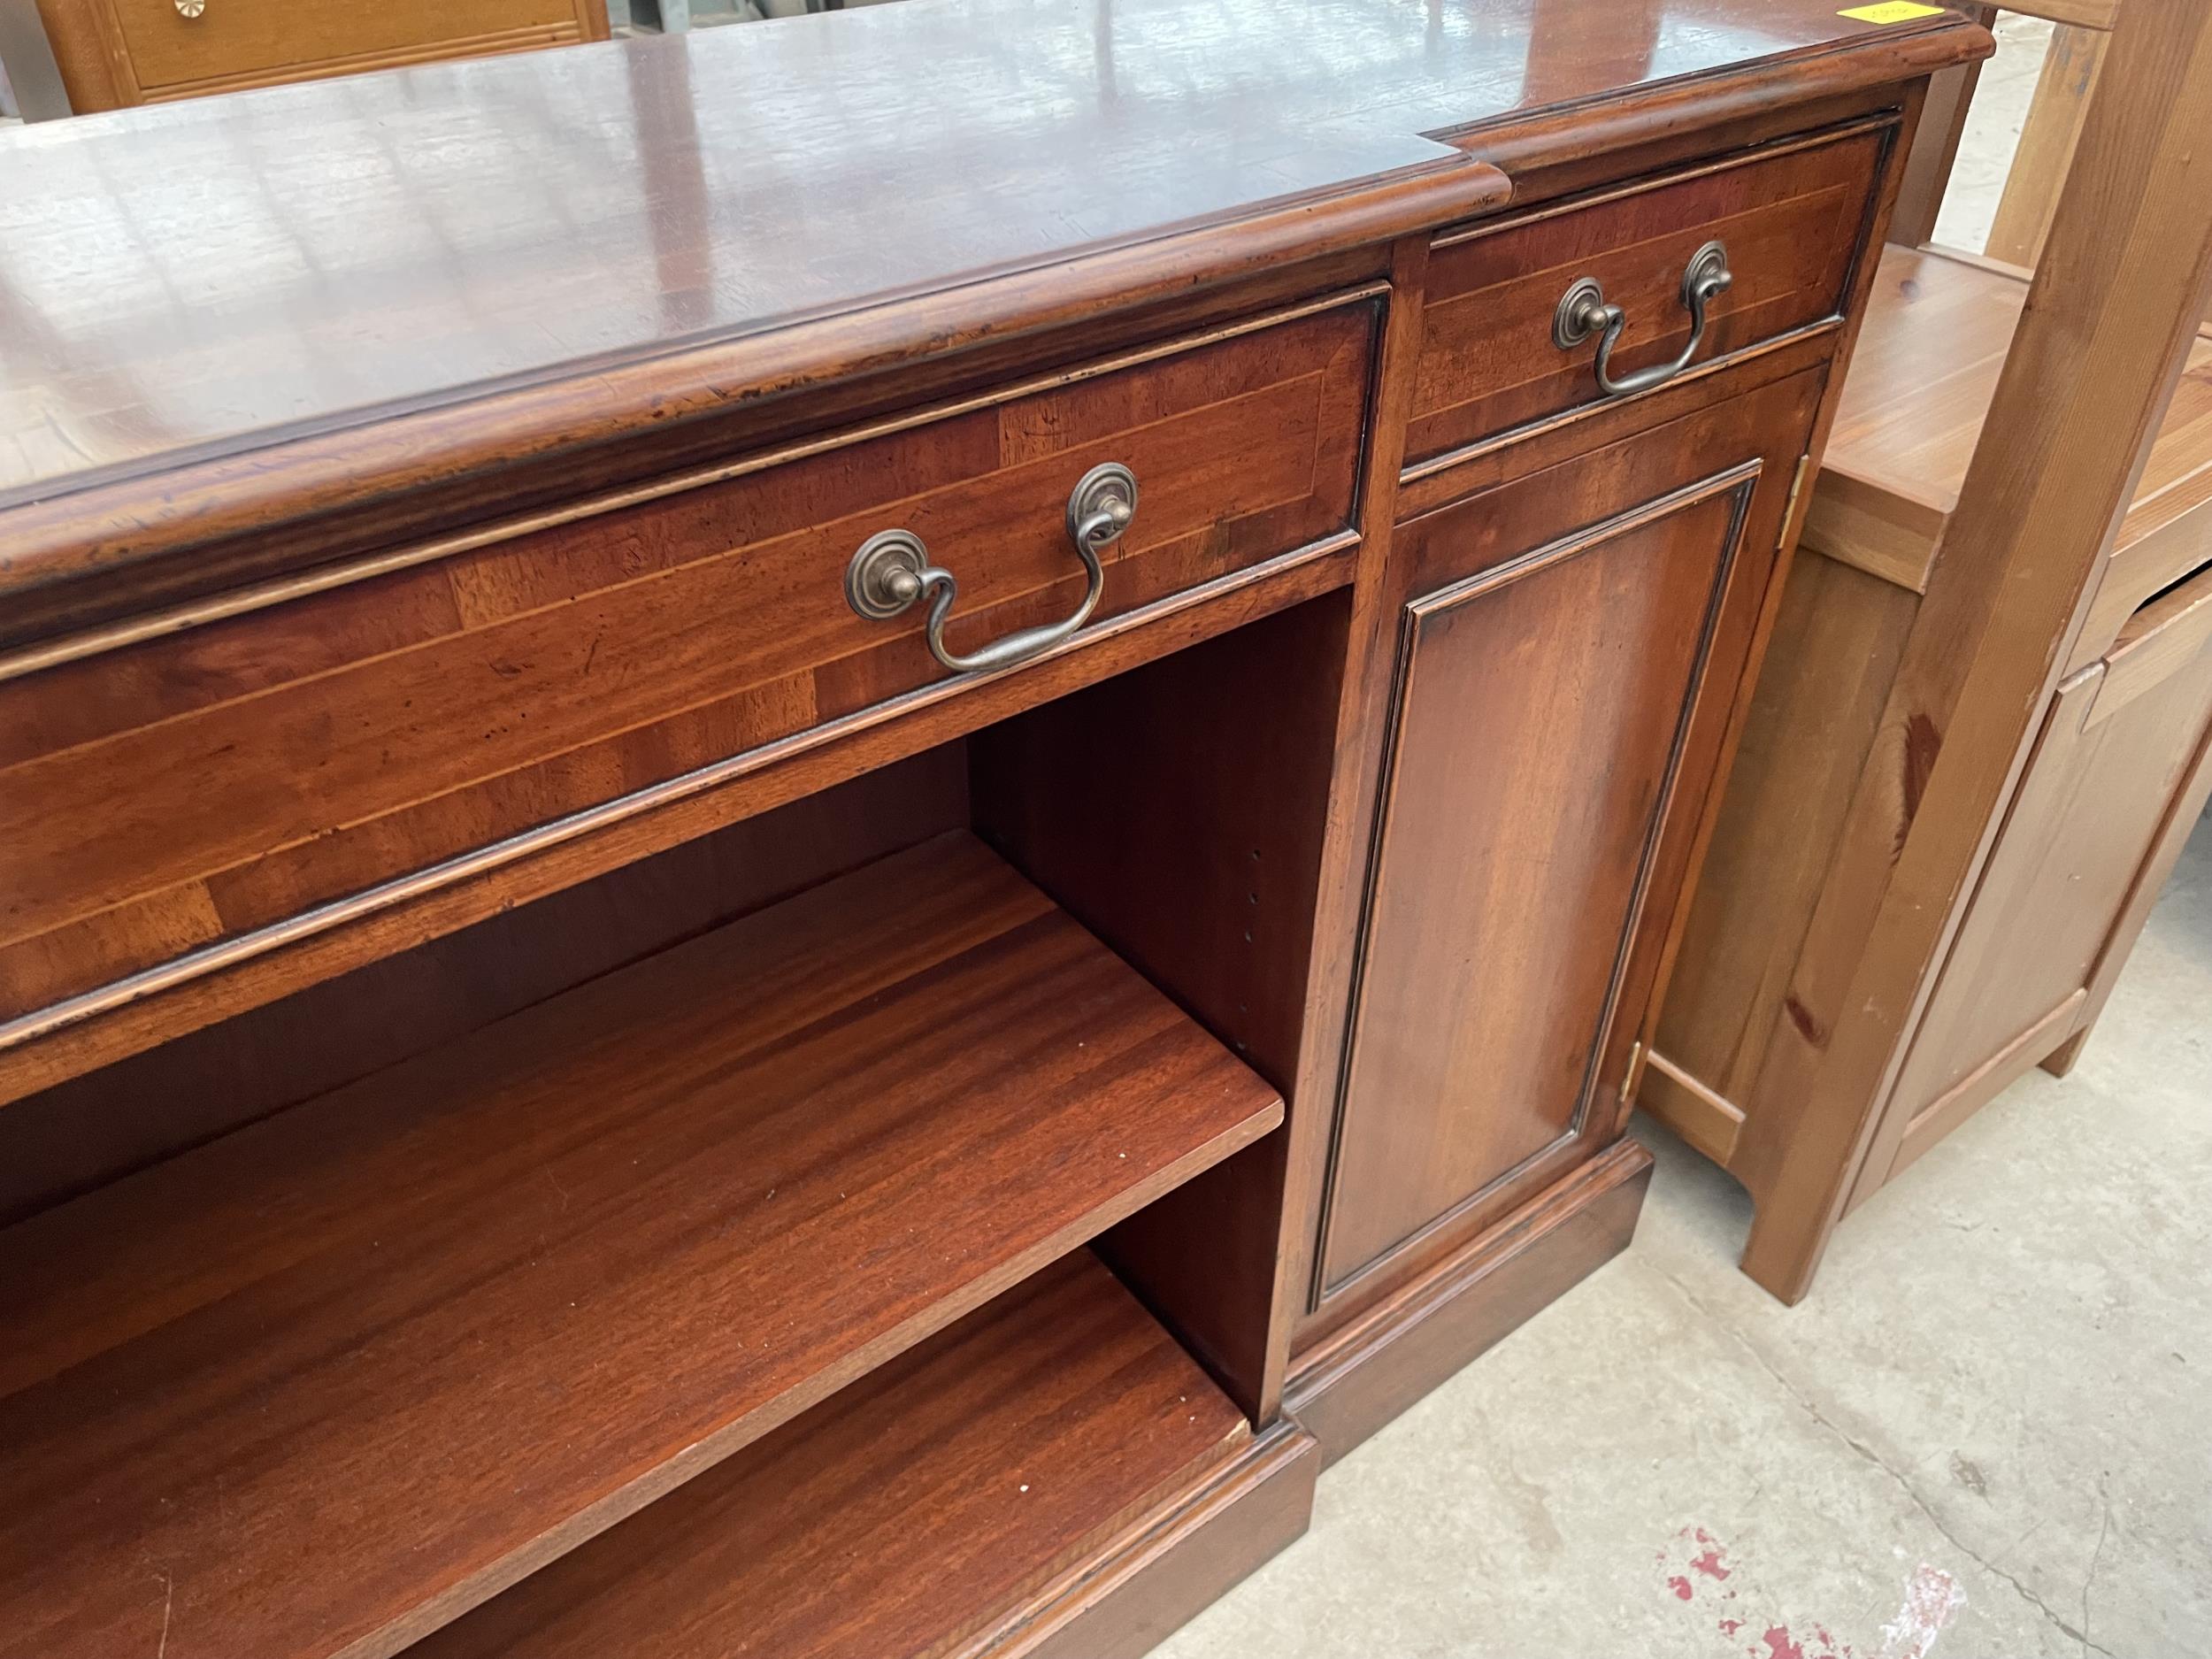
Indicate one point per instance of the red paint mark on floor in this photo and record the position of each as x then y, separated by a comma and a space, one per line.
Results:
1932, 1599
1704, 1562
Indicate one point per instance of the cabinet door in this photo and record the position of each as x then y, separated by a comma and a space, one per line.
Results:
1572, 644
2118, 775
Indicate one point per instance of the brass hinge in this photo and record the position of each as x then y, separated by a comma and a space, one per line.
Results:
1633, 1075
1797, 486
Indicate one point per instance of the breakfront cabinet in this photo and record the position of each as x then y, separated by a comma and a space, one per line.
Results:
821, 905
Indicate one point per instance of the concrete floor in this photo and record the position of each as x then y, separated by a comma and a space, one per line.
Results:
1986, 1434
1994, 120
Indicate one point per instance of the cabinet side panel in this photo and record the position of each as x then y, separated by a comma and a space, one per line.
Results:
1180, 812
1812, 722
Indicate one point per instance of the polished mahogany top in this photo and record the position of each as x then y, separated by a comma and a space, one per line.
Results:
181, 277
358, 309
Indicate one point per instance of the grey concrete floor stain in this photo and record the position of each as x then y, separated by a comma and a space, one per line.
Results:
1986, 1435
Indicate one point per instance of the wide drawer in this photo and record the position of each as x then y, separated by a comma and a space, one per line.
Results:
227, 39
1790, 221
212, 783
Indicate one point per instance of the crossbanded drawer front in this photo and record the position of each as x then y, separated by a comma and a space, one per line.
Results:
194, 788
1790, 222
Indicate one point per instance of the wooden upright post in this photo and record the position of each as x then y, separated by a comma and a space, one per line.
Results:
2125, 279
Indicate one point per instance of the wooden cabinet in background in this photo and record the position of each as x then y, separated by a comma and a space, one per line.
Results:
2115, 782
117, 52
1974, 749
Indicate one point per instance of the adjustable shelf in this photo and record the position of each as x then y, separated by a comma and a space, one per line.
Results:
322, 1386
1027, 1434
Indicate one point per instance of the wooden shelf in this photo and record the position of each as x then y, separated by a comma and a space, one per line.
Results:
1026, 1434
320, 1386
1938, 327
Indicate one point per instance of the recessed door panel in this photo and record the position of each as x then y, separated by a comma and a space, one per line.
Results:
1541, 708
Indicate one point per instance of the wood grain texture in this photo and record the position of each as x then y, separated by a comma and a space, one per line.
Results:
1169, 1567
110, 1122
102, 567
1344, 1388
2183, 813
1934, 343
1935, 145
2108, 331
1179, 812
2014, 1059
455, 1319
134, 1015
1161, 113
1709, 1121
1347, 831
1492, 1010
1792, 221
88, 53
1184, 147
907, 1513
1697, 407
2167, 534
2067, 859
1499, 919
1816, 715
2160, 641
449, 1325
2046, 149
286, 759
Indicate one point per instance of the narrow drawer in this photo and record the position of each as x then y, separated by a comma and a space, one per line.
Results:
1790, 222
215, 782
228, 38
2167, 532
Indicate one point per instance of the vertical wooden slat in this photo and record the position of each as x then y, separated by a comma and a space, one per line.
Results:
2047, 143
2125, 277
1935, 146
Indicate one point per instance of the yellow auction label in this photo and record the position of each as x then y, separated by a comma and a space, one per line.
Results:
1891, 11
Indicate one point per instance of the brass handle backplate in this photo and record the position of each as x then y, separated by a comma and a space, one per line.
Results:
892, 570
1583, 312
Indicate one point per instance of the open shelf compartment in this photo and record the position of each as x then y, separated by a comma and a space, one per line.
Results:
1029, 1435
324, 1385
